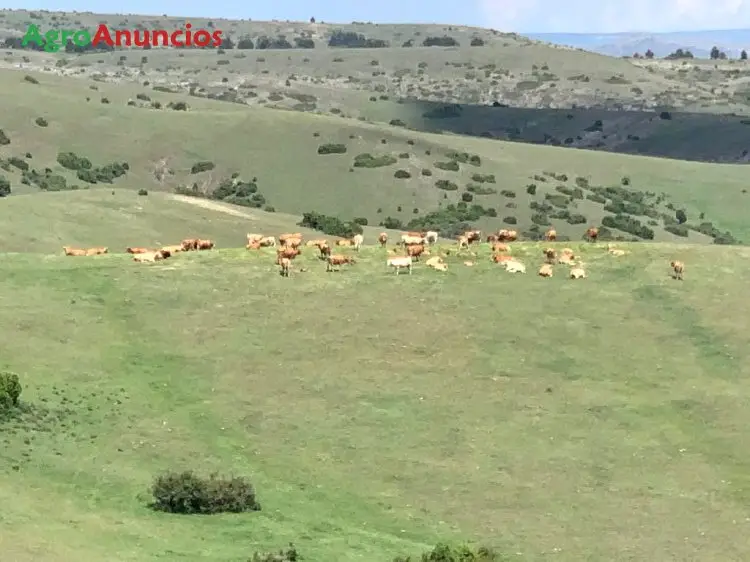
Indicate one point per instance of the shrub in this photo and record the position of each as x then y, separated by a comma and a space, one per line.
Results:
391, 223
367, 160
202, 166
142, 192
31, 79
677, 230
446, 185
628, 224
445, 553
508, 193
10, 390
557, 200
177, 106
480, 189
41, 121
444, 41
426, 172
575, 218
71, 161
466, 196
596, 198
397, 123
483, 178
331, 148
19, 163
360, 221
402, 174
105, 100
186, 493
289, 555
681, 216
531, 189
333, 226
4, 138
450, 166
510, 220
540, 219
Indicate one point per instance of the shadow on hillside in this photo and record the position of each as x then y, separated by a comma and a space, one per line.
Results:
670, 134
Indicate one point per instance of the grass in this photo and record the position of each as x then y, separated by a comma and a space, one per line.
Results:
447, 434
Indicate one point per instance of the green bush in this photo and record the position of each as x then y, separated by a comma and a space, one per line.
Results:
19, 163
10, 390
508, 193
450, 166
483, 178
678, 230
510, 220
186, 493
467, 197
391, 223
367, 160
203, 166
531, 189
331, 148
333, 226
596, 198
445, 553
540, 219
576, 219
177, 106
41, 121
289, 555
628, 224
142, 192
4, 138
426, 172
480, 189
73, 162
559, 201
446, 185
4, 186
402, 174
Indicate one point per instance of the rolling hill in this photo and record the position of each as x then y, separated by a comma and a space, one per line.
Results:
375, 415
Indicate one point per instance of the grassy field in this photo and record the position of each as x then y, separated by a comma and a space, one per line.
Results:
538, 438
161, 146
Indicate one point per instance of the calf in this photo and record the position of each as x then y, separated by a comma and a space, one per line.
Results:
399, 262
338, 260
678, 269
383, 239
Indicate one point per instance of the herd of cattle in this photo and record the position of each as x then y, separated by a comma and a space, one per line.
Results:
408, 250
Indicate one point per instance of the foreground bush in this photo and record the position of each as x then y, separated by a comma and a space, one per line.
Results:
186, 493
445, 553
10, 390
289, 555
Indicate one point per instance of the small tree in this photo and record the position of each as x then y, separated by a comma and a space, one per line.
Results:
743, 55
714, 52
649, 54
681, 216
10, 390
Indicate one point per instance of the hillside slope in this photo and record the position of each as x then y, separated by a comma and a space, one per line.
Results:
372, 435
280, 151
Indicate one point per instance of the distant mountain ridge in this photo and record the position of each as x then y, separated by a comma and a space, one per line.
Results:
731, 41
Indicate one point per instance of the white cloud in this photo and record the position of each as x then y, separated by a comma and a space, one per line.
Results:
609, 16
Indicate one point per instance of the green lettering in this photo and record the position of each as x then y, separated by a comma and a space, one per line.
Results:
51, 36
81, 38
32, 35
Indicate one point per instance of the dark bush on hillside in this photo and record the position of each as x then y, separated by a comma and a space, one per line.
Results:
620, 207
367, 160
4, 138
186, 493
445, 553
402, 174
19, 163
333, 226
73, 162
279, 42
203, 166
540, 219
510, 220
444, 41
596, 198
304, 43
467, 197
630, 225
362, 221
46, 181
391, 223
576, 219
464, 157
480, 189
397, 123
354, 40
542, 207
31, 79
681, 216
508, 193
41, 121
450, 166
142, 192
477, 42
143, 97
177, 106
426, 172
10, 390
332, 148
446, 185
574, 192
559, 201
483, 178
582, 182
449, 221
4, 186
678, 230
531, 189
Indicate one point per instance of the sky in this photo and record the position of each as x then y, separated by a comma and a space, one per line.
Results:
523, 16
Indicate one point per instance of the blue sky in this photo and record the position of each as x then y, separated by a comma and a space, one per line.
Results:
572, 16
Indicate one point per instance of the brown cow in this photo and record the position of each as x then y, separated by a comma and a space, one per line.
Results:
285, 252
545, 270
325, 250
204, 244
492, 238
284, 237
500, 247
592, 233
189, 244
549, 254
173, 249
255, 245
383, 239
550, 235
70, 251
473, 236
317, 243
499, 258
96, 251
285, 264
137, 250
417, 250
678, 268
338, 260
